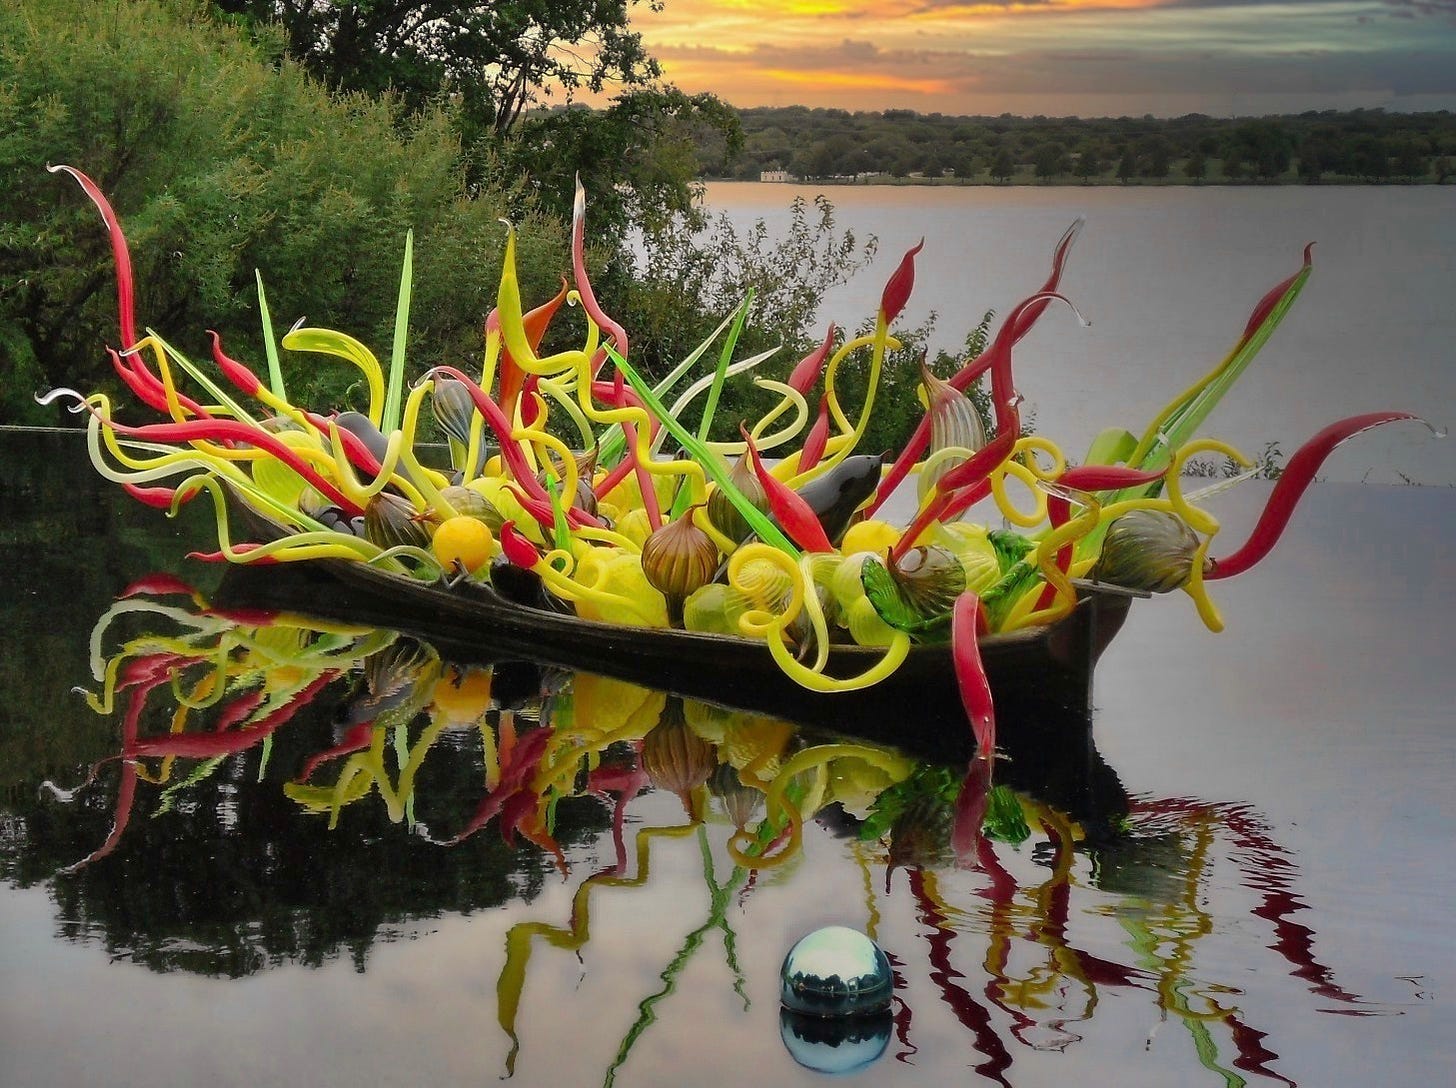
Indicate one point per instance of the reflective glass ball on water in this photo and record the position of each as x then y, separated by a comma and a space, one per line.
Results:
835, 1044
835, 971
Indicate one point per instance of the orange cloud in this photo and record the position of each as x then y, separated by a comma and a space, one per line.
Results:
1093, 57
856, 81
957, 12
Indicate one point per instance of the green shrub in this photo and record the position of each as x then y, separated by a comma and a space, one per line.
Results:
221, 157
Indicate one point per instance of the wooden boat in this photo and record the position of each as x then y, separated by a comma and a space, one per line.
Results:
1037, 675
1041, 678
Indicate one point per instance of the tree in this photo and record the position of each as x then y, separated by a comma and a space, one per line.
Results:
220, 161
1003, 165
1410, 159
1321, 152
1155, 157
493, 59
638, 158
1255, 148
691, 279
1089, 163
1233, 161
1369, 159
1127, 167
1264, 145
1195, 167
825, 158
935, 161
1051, 159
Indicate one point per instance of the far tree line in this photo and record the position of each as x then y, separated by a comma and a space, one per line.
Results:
1370, 146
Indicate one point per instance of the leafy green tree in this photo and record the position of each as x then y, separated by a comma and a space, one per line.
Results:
1264, 145
930, 160
1127, 166
1369, 158
495, 59
1320, 152
1195, 167
222, 157
1410, 159
1088, 164
1154, 159
691, 279
1050, 160
887, 148
829, 157
1003, 165
965, 163
1233, 160
638, 158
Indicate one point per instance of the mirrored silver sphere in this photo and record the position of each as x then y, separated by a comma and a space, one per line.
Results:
835, 1044
835, 971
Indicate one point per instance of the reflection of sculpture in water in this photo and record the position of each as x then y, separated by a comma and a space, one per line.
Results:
1161, 871
996, 876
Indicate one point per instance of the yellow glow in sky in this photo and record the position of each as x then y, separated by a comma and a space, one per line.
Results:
1088, 57
867, 81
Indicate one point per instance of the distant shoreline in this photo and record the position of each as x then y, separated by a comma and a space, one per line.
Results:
901, 147
1109, 182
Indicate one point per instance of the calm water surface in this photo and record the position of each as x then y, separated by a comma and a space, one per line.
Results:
1245, 881
1167, 278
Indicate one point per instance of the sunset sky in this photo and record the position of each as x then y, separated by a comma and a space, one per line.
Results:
1061, 57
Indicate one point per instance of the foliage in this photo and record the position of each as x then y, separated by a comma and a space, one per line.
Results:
1052, 159
1359, 145
1003, 165
1260, 147
688, 279
1268, 464
493, 59
638, 158
223, 157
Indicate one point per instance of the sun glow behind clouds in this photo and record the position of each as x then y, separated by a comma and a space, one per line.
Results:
857, 81
1061, 56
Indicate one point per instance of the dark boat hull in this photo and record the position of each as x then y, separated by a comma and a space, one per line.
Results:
1037, 675
1040, 678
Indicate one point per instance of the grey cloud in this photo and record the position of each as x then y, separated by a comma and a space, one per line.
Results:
859, 50
1312, 72
1441, 9
1118, 70
930, 7
846, 54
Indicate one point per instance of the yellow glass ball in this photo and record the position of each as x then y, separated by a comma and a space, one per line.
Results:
462, 694
870, 536
463, 542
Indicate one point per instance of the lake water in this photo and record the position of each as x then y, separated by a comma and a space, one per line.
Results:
1167, 278
1242, 880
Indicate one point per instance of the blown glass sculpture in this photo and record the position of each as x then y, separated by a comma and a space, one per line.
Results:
713, 539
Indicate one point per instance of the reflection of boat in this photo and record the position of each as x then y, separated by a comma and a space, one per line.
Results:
1036, 674
1030, 900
